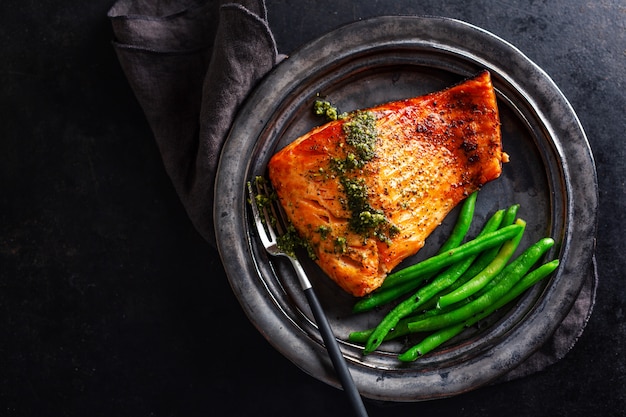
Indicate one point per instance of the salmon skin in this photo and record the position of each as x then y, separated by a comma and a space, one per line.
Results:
365, 191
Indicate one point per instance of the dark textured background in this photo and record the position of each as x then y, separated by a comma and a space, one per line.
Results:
112, 305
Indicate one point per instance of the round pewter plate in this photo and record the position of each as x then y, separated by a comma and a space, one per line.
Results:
551, 175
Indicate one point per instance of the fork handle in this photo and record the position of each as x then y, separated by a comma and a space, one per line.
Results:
334, 352
332, 346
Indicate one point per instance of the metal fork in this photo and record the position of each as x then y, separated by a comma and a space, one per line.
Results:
266, 218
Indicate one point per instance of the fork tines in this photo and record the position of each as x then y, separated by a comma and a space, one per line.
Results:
267, 216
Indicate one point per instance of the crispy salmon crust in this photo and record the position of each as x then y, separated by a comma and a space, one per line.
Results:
431, 152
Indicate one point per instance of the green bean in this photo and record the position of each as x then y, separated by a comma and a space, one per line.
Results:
424, 294
378, 298
462, 225
411, 304
505, 280
525, 283
484, 259
481, 279
499, 219
451, 256
361, 336
434, 340
451, 274
408, 306
460, 229
431, 342
402, 327
510, 215
431, 309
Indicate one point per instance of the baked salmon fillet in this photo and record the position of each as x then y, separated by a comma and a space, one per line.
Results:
366, 190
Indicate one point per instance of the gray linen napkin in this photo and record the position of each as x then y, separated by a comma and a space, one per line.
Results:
191, 63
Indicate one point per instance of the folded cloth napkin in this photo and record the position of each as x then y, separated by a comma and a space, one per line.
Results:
191, 63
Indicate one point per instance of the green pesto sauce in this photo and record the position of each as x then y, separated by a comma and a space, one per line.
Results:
290, 241
341, 244
365, 220
349, 163
327, 109
323, 231
361, 136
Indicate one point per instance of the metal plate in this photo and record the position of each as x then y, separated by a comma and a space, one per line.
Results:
551, 175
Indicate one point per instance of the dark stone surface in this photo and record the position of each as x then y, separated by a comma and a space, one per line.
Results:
111, 303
